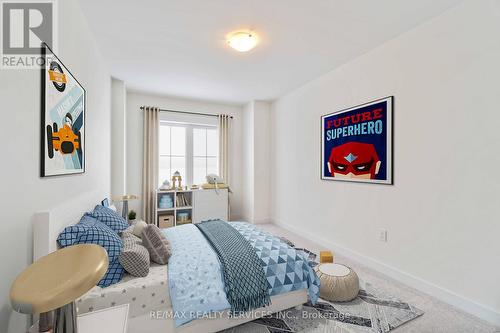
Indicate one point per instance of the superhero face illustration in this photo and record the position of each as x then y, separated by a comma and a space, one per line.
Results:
354, 160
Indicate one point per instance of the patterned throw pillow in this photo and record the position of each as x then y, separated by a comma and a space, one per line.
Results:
134, 257
109, 218
157, 245
138, 228
91, 231
129, 230
113, 275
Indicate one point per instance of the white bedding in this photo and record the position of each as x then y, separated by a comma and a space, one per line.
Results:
144, 294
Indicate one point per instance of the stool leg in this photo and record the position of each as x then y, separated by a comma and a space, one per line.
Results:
46, 321
65, 319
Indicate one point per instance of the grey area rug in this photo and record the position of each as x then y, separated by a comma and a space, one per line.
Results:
371, 311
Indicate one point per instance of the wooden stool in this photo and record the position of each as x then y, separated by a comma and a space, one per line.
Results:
339, 283
53, 282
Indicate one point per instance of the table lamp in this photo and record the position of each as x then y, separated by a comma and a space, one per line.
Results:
125, 199
55, 281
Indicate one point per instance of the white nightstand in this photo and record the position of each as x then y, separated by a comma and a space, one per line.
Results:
109, 320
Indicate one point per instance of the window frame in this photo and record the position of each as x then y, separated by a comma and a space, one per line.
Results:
189, 158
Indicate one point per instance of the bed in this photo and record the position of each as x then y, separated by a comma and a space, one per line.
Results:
143, 294
154, 299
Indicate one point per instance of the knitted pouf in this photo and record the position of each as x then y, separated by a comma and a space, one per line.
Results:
339, 283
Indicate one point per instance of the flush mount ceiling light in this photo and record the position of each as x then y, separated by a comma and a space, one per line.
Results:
242, 41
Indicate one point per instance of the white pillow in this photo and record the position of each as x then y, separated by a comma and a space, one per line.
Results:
113, 207
138, 227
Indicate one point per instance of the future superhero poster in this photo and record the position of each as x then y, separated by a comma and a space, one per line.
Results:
63, 119
356, 143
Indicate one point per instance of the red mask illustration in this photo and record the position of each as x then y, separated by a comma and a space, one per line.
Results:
354, 160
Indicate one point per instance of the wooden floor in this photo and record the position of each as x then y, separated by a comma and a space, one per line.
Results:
438, 317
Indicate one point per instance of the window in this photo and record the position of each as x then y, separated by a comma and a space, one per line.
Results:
191, 149
205, 153
172, 148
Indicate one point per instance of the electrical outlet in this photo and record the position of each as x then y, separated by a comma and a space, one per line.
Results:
382, 235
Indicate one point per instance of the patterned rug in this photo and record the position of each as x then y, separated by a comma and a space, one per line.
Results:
371, 311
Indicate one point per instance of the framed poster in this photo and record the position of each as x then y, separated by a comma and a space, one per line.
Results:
356, 143
62, 119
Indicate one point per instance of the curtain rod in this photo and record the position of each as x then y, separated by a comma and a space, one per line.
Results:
188, 112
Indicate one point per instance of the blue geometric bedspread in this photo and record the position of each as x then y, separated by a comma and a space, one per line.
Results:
195, 274
286, 268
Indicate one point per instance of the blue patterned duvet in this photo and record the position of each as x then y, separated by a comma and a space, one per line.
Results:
195, 275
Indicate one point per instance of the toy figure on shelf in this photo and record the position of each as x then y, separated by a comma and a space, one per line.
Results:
176, 178
165, 185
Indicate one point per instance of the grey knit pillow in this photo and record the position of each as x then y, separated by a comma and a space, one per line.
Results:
134, 257
156, 243
133, 238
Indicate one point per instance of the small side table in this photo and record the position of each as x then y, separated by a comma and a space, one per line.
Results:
339, 283
54, 281
109, 320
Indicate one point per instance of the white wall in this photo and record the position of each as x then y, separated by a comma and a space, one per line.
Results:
256, 157
248, 163
442, 214
118, 137
22, 191
262, 156
134, 141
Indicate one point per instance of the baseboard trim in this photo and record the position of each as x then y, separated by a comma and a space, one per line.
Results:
262, 221
467, 305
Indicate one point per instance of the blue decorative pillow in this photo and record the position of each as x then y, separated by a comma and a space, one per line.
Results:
71, 234
113, 275
105, 202
110, 218
91, 231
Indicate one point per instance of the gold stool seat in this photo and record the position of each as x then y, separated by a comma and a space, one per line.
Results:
57, 279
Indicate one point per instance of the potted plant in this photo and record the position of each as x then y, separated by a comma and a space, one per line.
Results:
132, 215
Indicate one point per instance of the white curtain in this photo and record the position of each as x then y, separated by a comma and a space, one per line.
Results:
150, 163
224, 146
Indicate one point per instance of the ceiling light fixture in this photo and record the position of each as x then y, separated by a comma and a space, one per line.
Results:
242, 41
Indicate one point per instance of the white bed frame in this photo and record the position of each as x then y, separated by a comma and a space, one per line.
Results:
47, 226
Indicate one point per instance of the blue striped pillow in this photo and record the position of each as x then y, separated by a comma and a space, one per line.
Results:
110, 218
91, 231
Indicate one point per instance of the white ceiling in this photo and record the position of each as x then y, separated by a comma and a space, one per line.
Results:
177, 47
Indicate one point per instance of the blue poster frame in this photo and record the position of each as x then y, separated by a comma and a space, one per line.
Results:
385, 145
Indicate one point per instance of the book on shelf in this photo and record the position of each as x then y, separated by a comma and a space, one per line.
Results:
181, 200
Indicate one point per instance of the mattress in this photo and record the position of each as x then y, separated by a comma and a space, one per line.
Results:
143, 294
